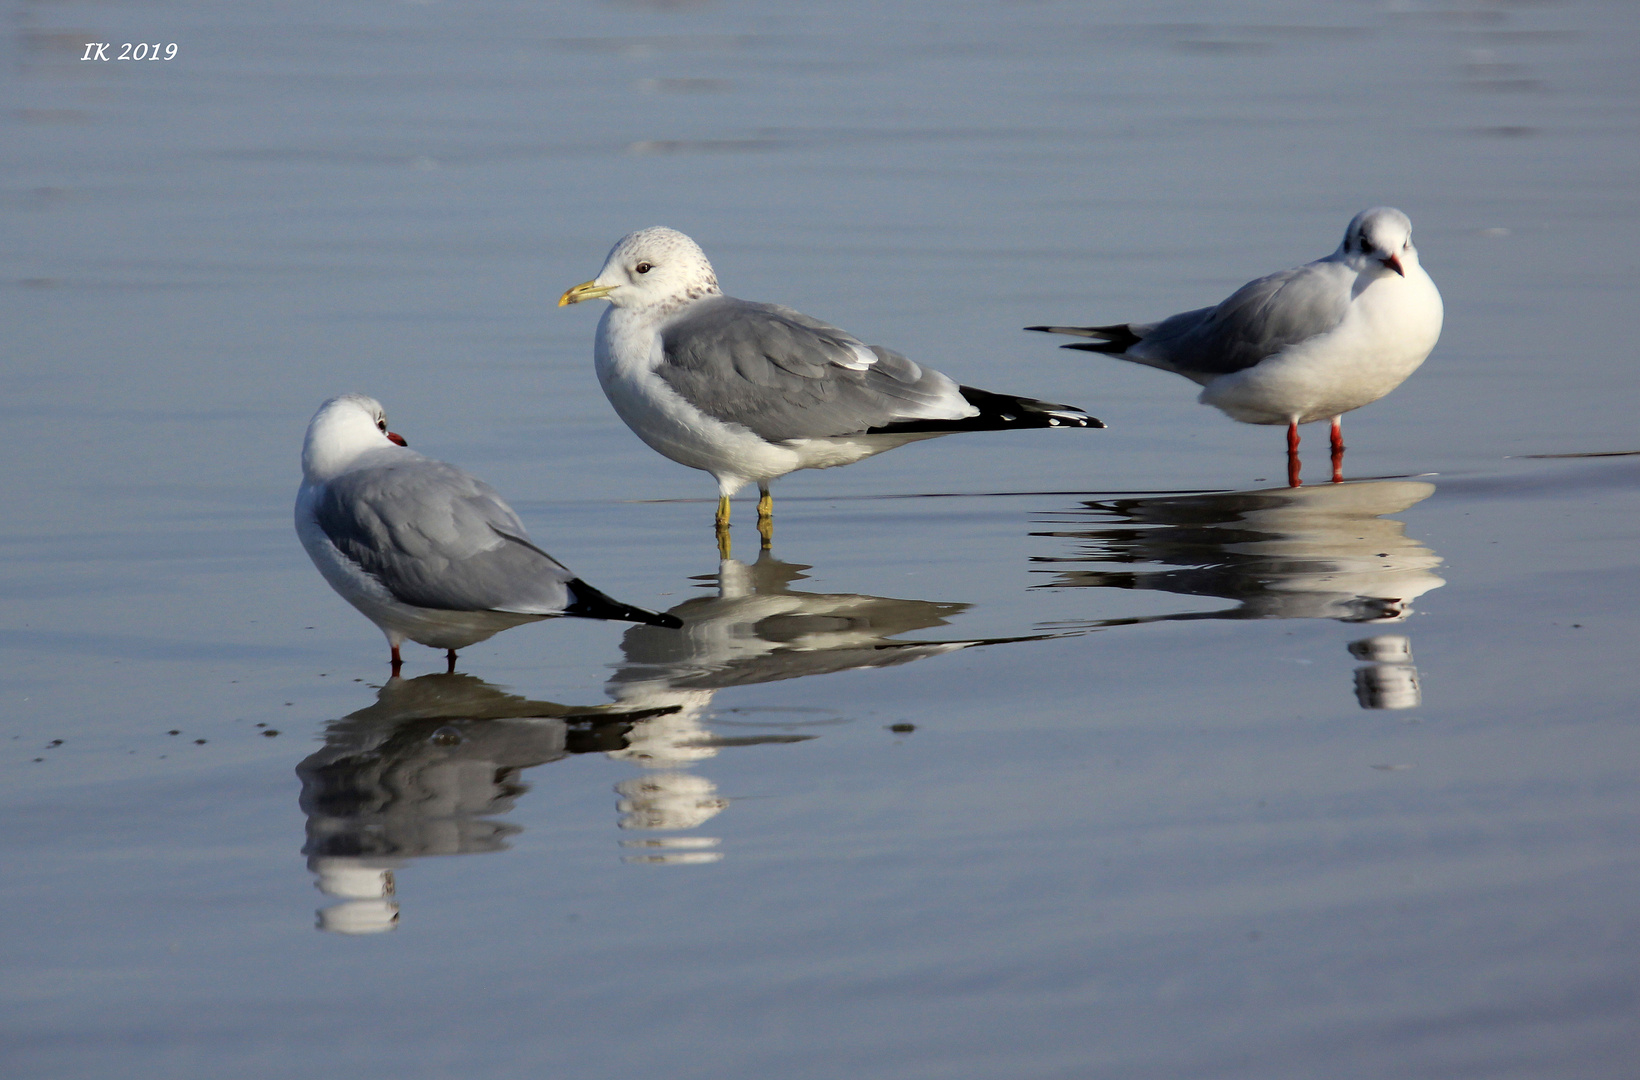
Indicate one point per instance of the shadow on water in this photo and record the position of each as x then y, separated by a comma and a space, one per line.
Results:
427, 768
1327, 552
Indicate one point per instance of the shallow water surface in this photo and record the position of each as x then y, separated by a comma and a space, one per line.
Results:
1029, 754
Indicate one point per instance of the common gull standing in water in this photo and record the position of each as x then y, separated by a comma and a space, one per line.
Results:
750, 392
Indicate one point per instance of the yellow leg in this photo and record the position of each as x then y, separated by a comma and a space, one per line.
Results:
723, 526
765, 520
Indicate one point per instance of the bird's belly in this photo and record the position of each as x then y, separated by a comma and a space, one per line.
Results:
1313, 381
433, 627
436, 628
847, 449
1388, 333
672, 427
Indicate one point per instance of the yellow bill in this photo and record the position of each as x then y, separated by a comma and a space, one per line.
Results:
587, 290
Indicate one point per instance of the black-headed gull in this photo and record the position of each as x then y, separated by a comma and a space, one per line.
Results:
1305, 344
424, 550
750, 392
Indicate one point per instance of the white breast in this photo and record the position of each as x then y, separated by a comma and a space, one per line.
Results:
1386, 333
626, 355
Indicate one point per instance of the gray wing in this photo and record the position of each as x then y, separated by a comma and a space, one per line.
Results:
439, 538
1259, 319
787, 376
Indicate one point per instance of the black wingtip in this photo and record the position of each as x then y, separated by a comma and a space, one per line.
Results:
1112, 340
591, 604
998, 412
1008, 411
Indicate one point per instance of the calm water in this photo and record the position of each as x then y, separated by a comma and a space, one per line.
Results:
1033, 755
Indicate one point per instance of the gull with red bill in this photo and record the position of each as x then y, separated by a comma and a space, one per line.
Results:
1305, 344
424, 550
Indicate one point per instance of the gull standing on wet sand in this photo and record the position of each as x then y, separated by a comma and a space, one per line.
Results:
1303, 344
424, 550
750, 392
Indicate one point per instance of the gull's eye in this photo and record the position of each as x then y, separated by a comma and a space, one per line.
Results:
382, 424
643, 268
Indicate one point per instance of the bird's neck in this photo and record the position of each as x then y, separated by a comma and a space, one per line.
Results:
328, 454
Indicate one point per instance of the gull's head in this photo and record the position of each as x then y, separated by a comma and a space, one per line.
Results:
1381, 235
344, 428
649, 267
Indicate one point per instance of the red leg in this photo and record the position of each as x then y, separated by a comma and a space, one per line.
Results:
398, 661
1337, 451
1293, 477
450, 661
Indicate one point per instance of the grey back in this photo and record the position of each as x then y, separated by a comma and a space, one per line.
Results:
785, 375
1259, 319
439, 538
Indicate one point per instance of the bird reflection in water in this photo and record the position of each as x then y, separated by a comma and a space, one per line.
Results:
424, 771
1284, 553
1389, 681
757, 629
435, 760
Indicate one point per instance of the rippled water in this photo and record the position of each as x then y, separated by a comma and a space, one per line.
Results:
1040, 754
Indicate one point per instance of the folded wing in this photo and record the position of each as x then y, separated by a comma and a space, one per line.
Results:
786, 376
438, 538
1258, 320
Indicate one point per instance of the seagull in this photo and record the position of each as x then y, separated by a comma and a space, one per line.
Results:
750, 392
424, 550
1303, 344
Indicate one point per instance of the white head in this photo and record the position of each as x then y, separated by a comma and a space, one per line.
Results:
342, 429
1381, 235
654, 266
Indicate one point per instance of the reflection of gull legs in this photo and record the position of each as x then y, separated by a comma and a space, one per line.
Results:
765, 522
1294, 470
